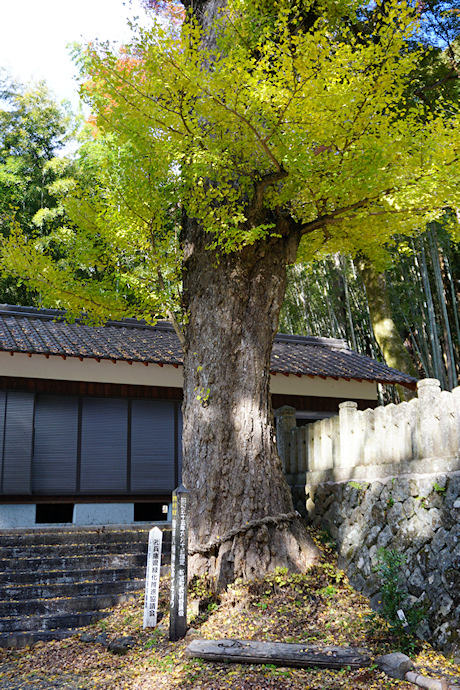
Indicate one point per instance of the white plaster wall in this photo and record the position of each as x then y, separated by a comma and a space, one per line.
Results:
17, 515
103, 513
73, 369
105, 371
327, 388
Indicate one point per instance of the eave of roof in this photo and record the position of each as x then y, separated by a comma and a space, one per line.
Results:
45, 332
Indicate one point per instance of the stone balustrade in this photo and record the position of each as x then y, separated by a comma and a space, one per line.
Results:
419, 435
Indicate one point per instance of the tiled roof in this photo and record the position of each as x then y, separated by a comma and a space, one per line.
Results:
44, 331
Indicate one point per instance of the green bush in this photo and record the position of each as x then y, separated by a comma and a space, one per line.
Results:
388, 568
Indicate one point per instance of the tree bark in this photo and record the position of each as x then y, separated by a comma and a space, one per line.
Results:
383, 325
230, 462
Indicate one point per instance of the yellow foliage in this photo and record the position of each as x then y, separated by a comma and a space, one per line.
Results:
272, 118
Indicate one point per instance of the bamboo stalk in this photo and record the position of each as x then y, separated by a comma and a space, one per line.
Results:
433, 333
449, 350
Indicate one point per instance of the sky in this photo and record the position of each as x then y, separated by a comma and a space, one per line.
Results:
34, 35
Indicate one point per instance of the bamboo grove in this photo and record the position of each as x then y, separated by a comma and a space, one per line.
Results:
423, 283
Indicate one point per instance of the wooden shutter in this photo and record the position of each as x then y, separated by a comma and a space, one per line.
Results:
3, 395
54, 465
152, 446
18, 439
104, 446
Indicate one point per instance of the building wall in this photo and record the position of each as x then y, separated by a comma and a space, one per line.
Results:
105, 371
59, 472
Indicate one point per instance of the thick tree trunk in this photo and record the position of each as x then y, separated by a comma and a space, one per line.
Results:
383, 325
242, 521
230, 463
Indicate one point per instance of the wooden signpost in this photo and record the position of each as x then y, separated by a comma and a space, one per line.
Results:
179, 557
152, 577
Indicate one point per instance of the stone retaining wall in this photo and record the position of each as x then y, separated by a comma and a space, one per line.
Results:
419, 516
389, 478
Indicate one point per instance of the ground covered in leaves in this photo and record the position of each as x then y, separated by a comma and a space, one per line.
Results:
317, 608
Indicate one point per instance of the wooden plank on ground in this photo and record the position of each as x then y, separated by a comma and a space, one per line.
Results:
279, 653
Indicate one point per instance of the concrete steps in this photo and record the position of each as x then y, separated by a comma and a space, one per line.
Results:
55, 580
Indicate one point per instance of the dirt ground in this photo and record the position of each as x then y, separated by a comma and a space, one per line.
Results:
319, 607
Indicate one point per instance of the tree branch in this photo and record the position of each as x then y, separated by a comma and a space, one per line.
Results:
170, 314
451, 76
261, 185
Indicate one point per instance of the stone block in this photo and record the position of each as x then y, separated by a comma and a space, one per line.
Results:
439, 539
350, 568
394, 516
419, 528
369, 498
373, 555
452, 538
441, 633
377, 514
350, 540
352, 495
356, 516
409, 507
385, 537
434, 499
343, 509
425, 559
376, 601
444, 560
358, 582
121, 645
445, 606
395, 665
451, 579
310, 508
425, 486
400, 489
386, 492
410, 549
434, 581
362, 562
414, 488
372, 535
377, 489
416, 581
436, 519
423, 631
452, 491
333, 529
328, 500
371, 585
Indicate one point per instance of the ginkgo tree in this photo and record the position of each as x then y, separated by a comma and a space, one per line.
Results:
261, 132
